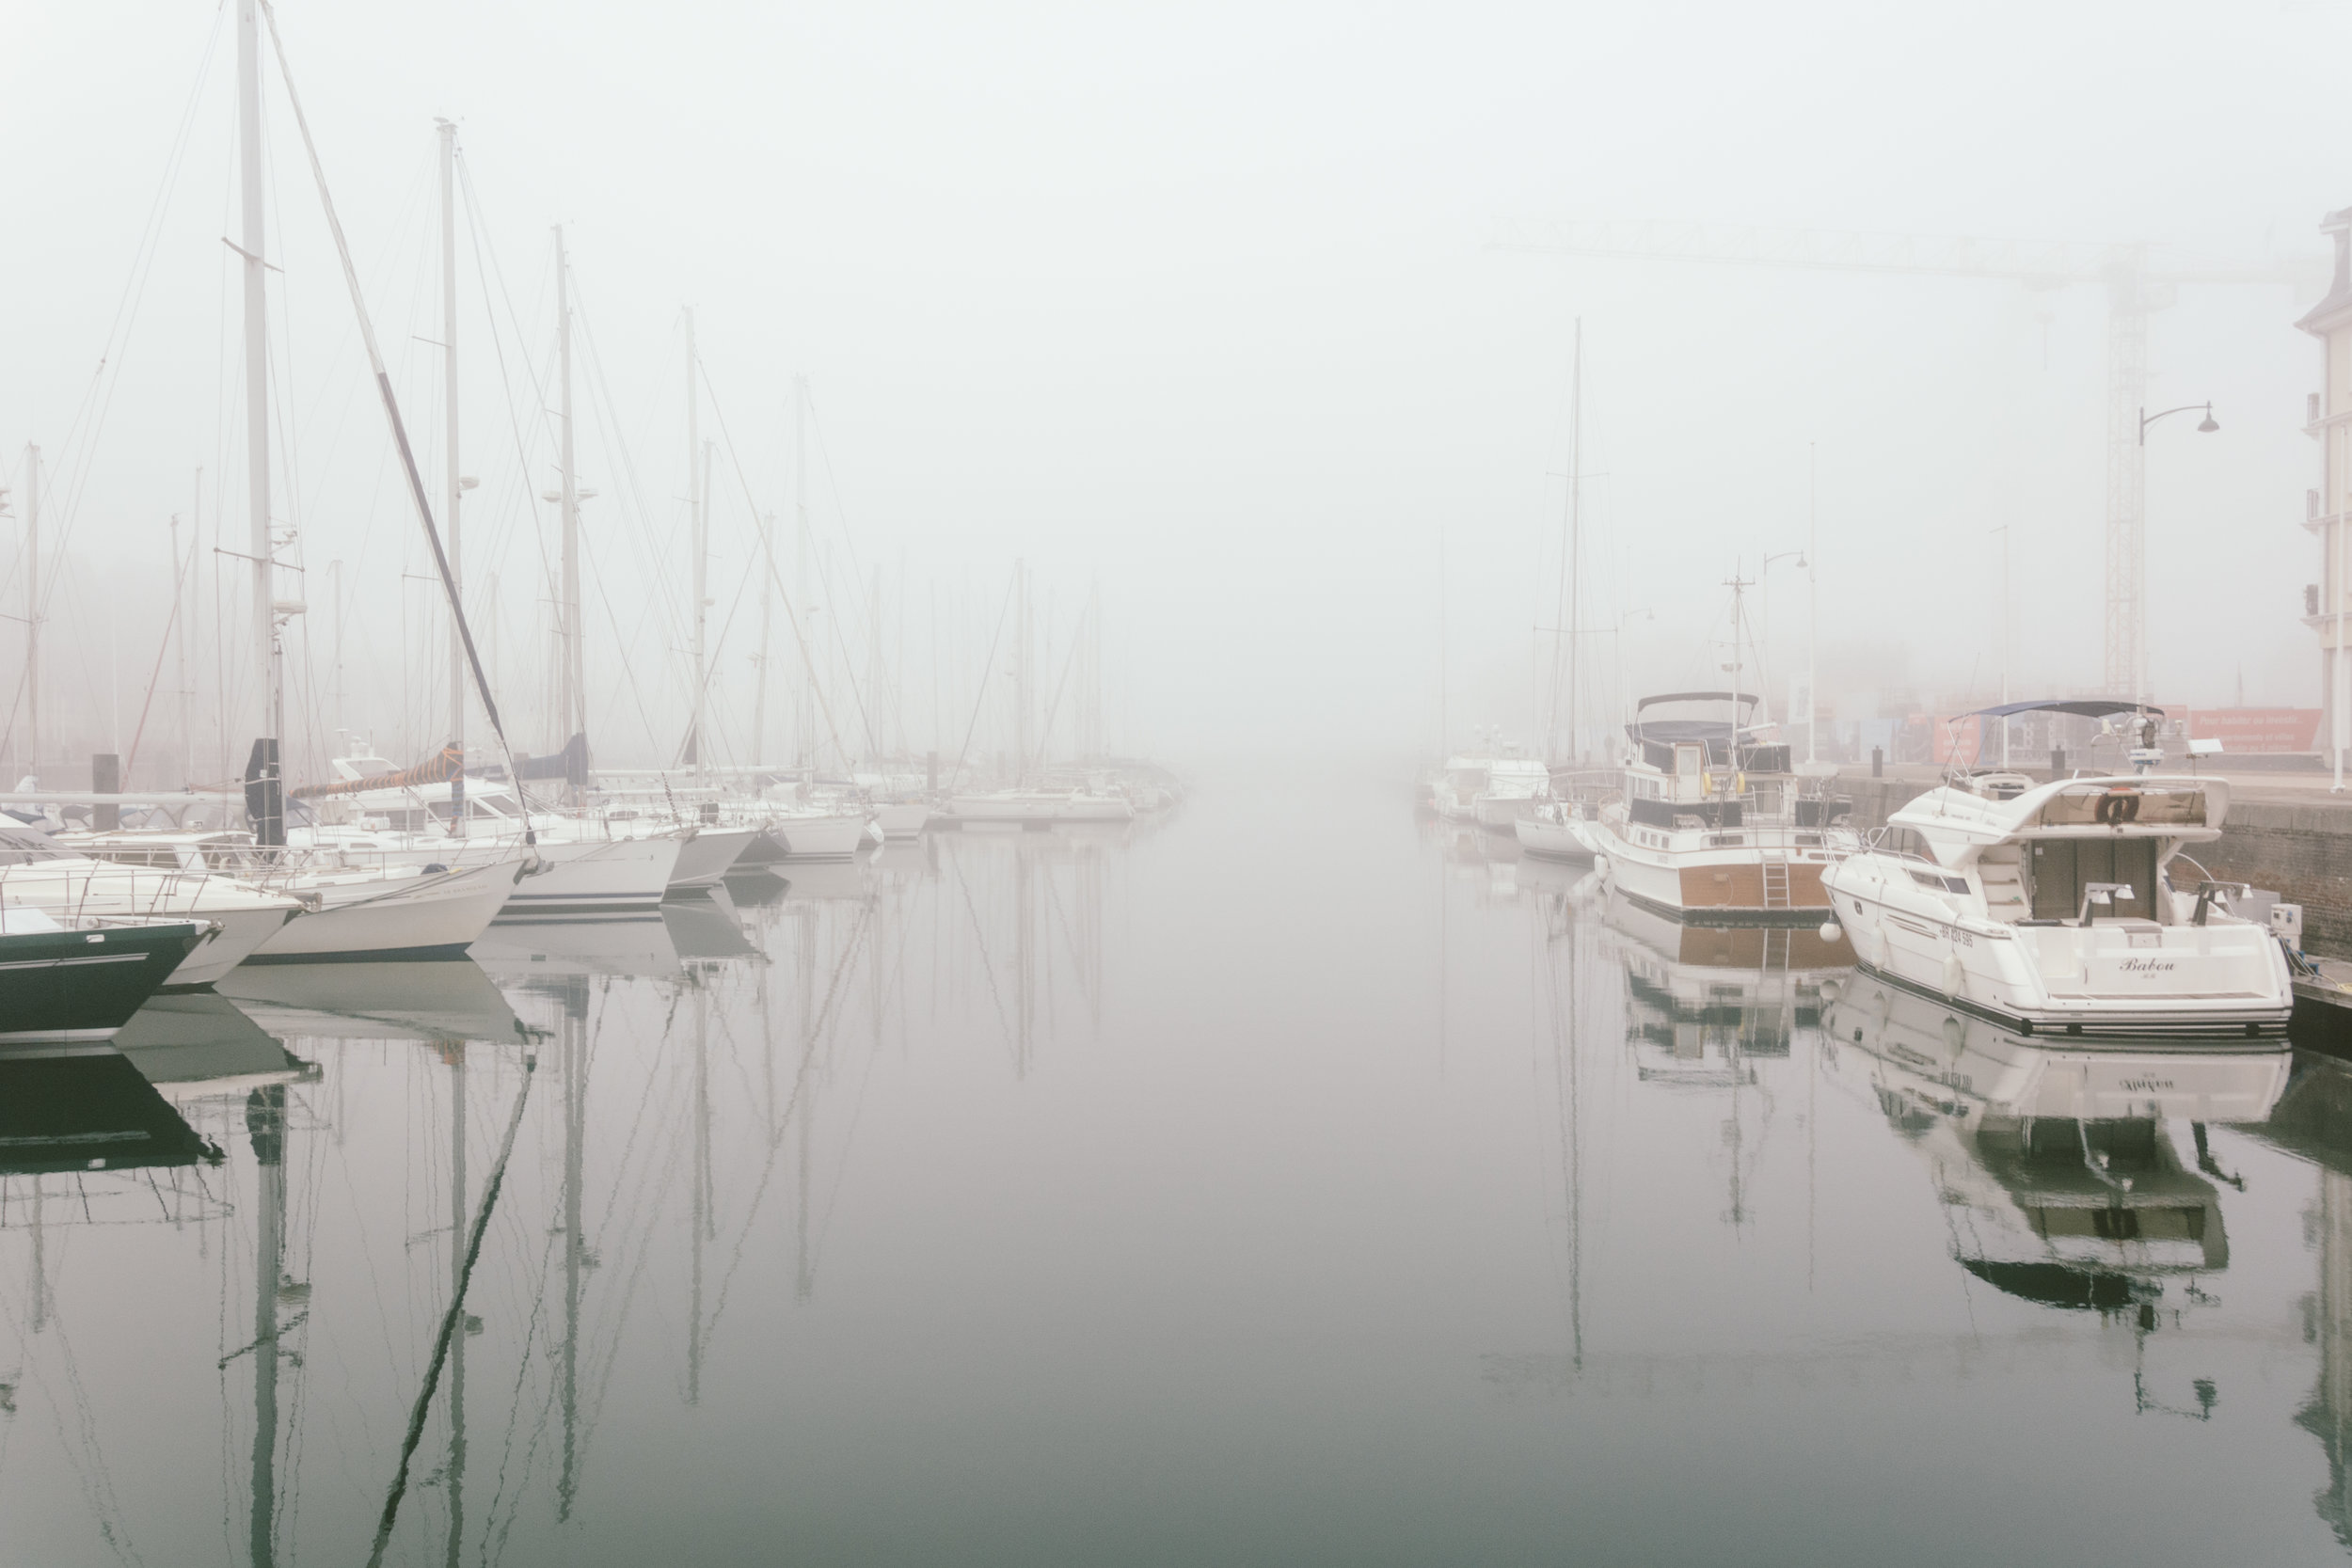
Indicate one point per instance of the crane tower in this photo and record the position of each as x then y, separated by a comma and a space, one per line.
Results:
2135, 288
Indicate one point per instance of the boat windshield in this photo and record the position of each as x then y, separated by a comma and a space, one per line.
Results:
2125, 805
23, 846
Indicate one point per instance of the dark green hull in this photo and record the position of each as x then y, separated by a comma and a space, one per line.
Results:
84, 985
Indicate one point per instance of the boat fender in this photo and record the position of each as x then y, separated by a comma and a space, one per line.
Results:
1706, 784
1739, 782
1831, 931
1955, 977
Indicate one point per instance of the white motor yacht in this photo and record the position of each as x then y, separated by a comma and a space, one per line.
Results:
2052, 909
1713, 824
1492, 790
38, 873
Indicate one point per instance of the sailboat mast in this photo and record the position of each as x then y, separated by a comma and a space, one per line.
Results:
696, 461
32, 608
766, 616
1576, 526
270, 830
572, 684
449, 415
806, 728
1023, 636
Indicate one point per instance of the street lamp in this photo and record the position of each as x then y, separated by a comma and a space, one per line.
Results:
2205, 426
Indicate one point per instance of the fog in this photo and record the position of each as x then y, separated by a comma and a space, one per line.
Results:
1200, 306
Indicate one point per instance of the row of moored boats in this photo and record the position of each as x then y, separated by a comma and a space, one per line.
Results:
2069, 906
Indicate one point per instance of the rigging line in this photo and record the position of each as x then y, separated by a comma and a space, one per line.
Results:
776, 577
987, 670
134, 291
391, 411
506, 386
458, 1297
775, 1143
1045, 735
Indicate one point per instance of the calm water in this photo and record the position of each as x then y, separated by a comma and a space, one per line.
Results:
1283, 1182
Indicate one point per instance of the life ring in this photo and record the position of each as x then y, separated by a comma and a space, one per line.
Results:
2118, 806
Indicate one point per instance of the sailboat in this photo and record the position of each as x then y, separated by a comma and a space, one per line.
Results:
1026, 803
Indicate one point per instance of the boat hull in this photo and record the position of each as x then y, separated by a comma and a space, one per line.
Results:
901, 818
1721, 888
594, 879
1552, 841
819, 838
84, 985
703, 861
2225, 980
435, 915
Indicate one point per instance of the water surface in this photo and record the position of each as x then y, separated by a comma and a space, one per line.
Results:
1285, 1181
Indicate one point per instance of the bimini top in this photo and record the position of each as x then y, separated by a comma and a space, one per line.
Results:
1689, 729
2081, 707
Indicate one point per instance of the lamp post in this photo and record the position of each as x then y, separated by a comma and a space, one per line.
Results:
2205, 426
2006, 639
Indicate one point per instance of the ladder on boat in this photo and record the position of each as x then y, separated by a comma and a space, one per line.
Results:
1776, 881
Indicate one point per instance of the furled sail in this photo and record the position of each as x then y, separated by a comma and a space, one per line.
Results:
446, 764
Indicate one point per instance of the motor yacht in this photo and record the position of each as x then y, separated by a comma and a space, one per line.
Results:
1712, 823
2056, 908
1492, 790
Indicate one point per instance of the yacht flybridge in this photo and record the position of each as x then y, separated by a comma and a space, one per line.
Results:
2052, 909
1712, 823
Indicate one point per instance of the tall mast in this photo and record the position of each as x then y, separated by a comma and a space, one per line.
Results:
32, 609
697, 459
573, 705
874, 672
271, 829
455, 486
1023, 636
1813, 608
807, 726
766, 615
1576, 524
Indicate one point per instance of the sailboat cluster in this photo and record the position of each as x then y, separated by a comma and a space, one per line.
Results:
383, 860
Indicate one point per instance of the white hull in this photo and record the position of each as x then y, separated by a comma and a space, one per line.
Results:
901, 818
702, 859
819, 838
2227, 979
246, 917
1503, 812
1557, 841
596, 878
436, 914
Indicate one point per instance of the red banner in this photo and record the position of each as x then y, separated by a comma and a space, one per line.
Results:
2256, 731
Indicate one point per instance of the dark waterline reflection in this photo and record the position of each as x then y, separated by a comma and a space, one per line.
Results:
1261, 1185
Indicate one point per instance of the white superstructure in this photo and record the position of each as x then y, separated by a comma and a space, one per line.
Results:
2052, 909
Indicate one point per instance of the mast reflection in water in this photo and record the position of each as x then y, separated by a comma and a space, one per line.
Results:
1201, 1190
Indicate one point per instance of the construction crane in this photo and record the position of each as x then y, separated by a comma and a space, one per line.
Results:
2137, 283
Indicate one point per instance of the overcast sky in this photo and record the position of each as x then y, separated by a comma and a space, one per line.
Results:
1200, 302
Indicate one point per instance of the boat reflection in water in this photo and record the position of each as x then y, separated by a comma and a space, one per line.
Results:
1704, 1002
2058, 1173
